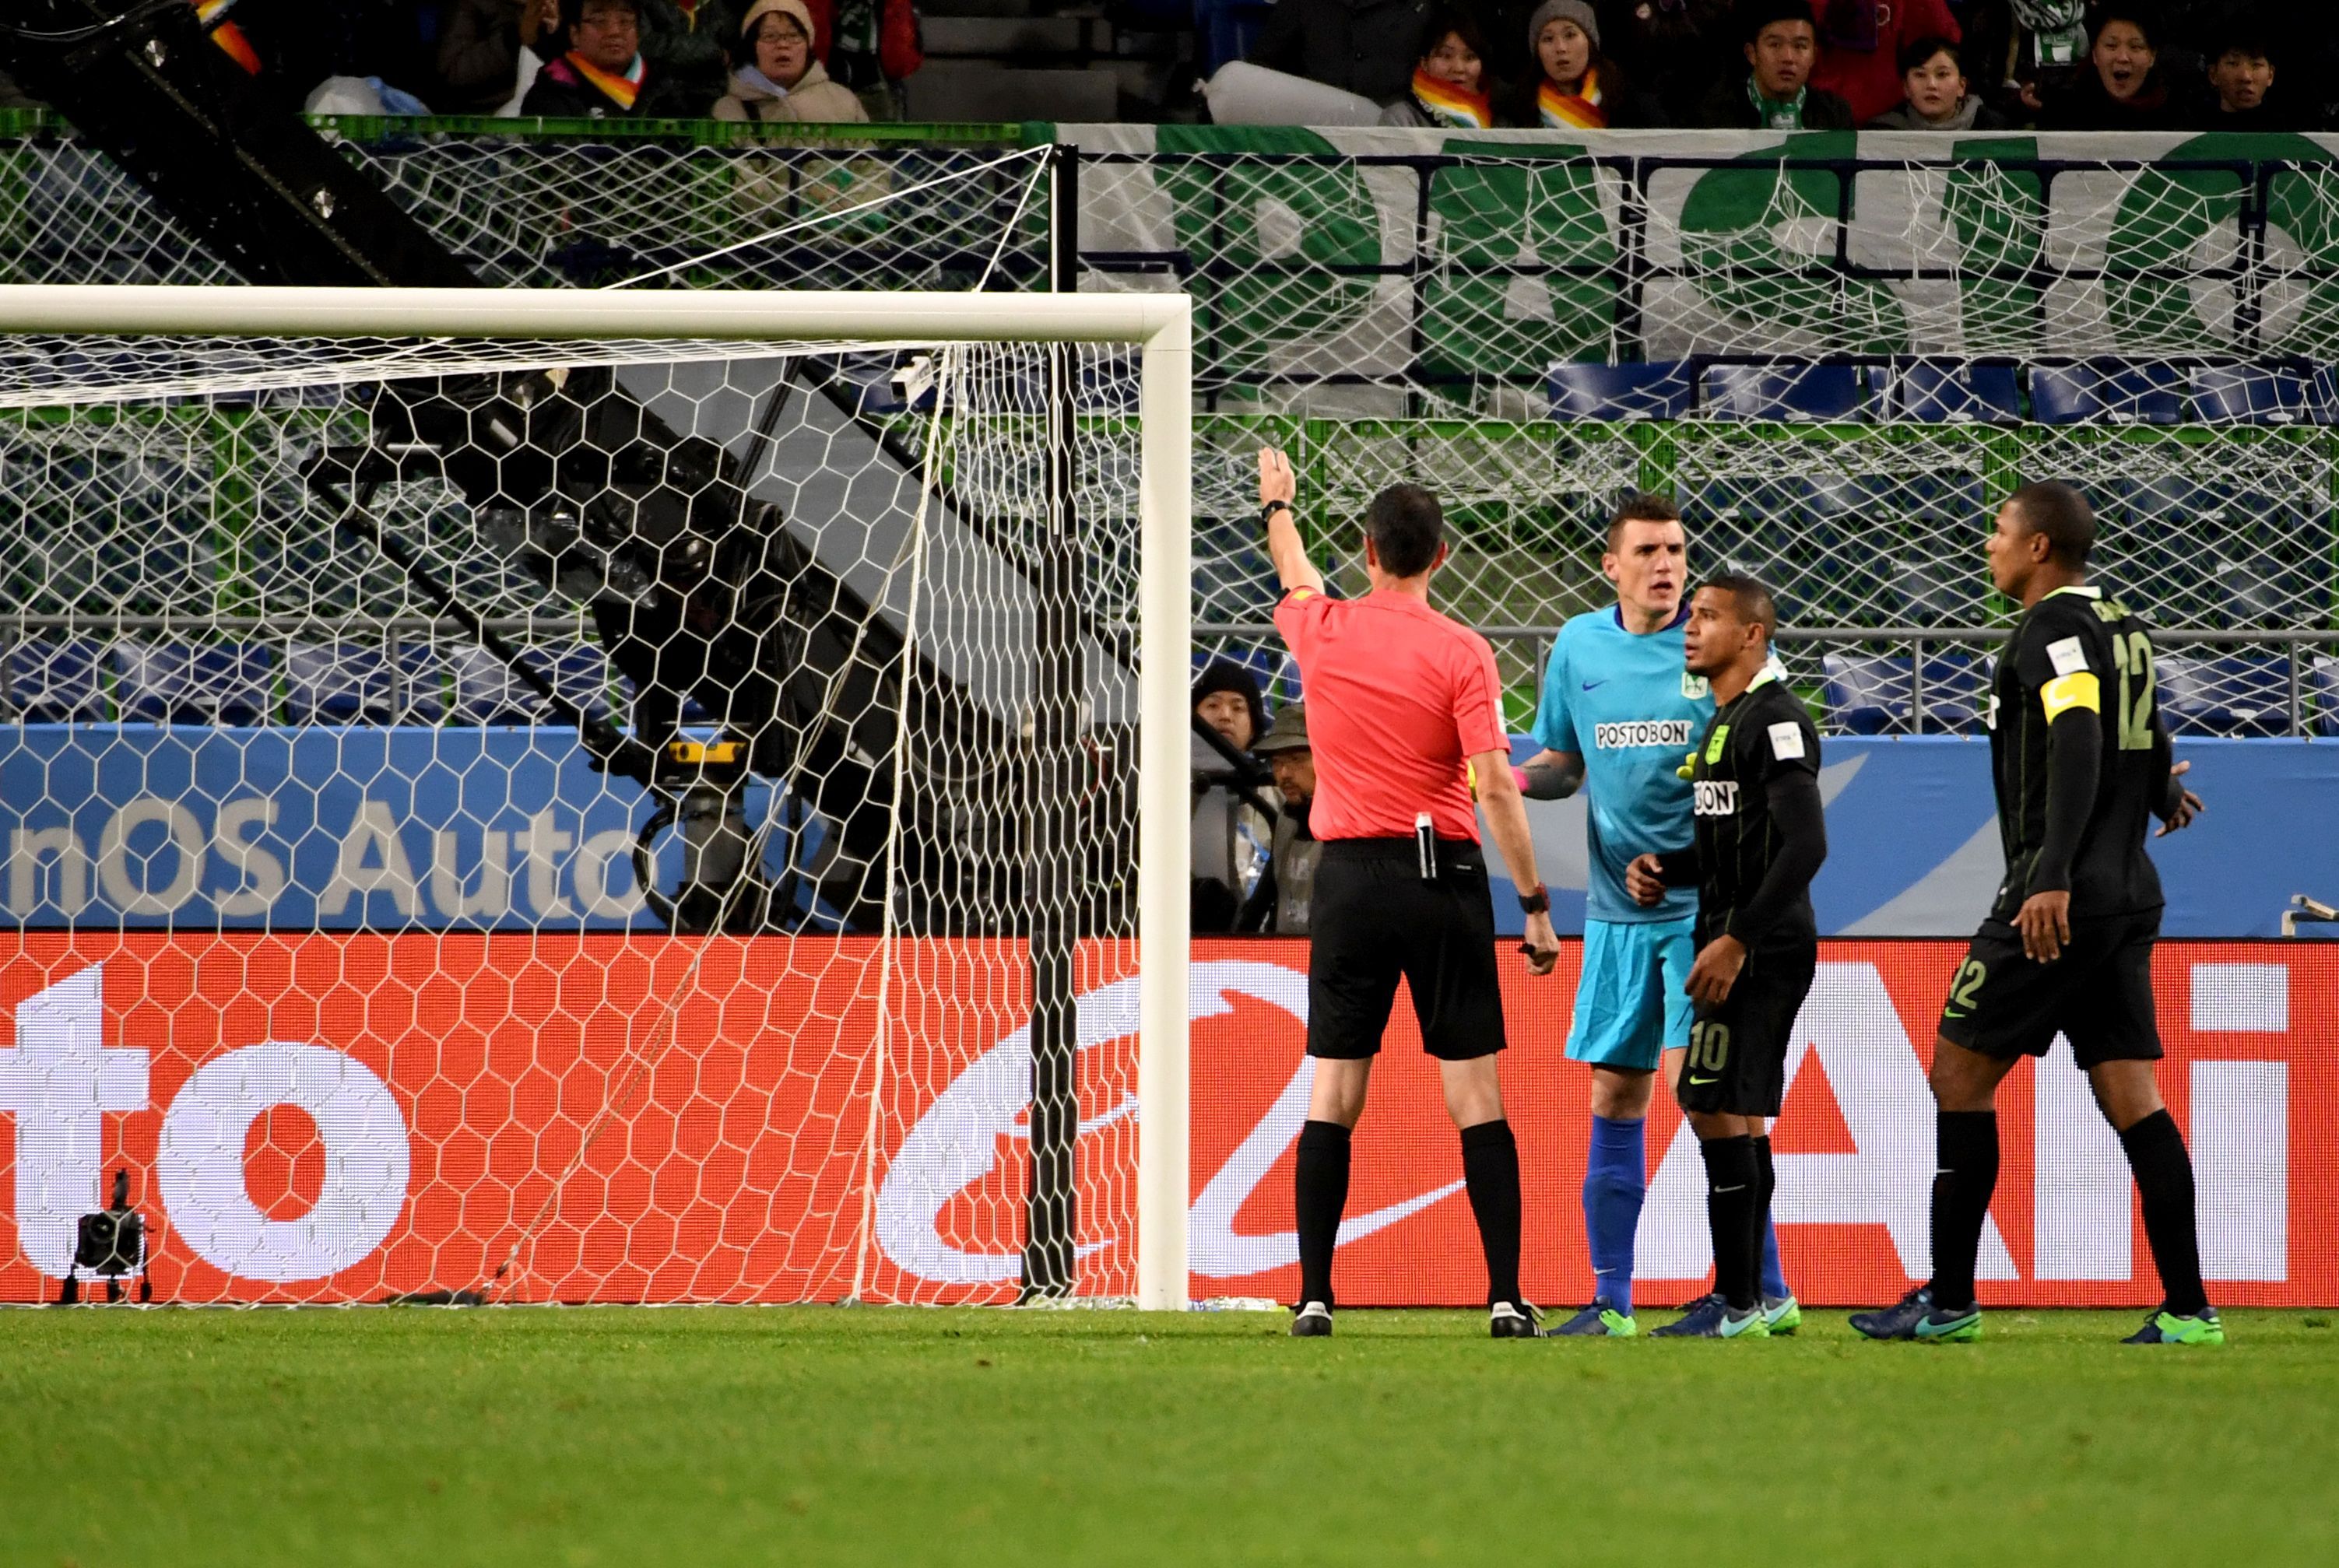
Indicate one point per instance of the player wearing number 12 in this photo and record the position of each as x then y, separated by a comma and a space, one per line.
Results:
1761, 836
2082, 759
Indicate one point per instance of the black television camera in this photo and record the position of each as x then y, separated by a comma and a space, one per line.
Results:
110, 1243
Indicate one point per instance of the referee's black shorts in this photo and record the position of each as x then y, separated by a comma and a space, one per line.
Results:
1375, 919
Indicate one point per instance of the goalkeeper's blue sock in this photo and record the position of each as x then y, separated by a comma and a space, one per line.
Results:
1774, 1279
1615, 1181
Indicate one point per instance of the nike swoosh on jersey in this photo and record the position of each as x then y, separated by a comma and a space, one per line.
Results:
1694, 1079
1593, 685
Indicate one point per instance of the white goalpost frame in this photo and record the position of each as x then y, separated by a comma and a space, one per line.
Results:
1159, 325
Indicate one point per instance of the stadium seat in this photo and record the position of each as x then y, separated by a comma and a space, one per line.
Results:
1277, 672
54, 682
2324, 691
1870, 694
2107, 392
339, 683
1867, 693
1794, 393
176, 684
579, 672
483, 692
422, 684
1620, 393
2247, 395
2234, 695
1951, 392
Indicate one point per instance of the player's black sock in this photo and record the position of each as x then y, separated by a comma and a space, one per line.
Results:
1320, 1194
1490, 1168
1767, 1175
1965, 1174
2163, 1177
1734, 1208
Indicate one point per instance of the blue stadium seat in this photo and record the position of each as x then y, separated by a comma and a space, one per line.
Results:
2323, 685
1867, 693
2107, 391
178, 684
1653, 391
483, 691
1948, 392
1228, 30
1870, 694
55, 683
1794, 393
2234, 694
422, 684
2247, 395
339, 683
580, 672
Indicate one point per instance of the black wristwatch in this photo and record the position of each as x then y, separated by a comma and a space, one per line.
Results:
1267, 511
1535, 902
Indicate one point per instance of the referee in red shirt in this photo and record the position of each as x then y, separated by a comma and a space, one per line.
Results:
1404, 710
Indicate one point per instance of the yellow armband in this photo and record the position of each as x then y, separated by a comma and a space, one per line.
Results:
2063, 693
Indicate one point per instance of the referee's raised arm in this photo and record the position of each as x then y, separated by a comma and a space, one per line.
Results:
1405, 712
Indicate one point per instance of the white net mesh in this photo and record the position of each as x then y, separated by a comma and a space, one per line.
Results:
378, 924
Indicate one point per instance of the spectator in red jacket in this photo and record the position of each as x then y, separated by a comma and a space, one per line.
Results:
1860, 48
869, 45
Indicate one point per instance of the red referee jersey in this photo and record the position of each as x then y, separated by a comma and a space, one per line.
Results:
1398, 698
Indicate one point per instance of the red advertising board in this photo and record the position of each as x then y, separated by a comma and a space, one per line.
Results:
336, 1117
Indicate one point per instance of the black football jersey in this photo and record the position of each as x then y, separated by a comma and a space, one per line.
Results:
2080, 648
1762, 733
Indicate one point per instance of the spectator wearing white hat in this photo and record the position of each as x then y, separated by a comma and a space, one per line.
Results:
777, 78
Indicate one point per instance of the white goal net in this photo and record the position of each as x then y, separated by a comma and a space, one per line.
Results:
586, 797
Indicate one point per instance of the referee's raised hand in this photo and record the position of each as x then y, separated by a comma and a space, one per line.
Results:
1278, 492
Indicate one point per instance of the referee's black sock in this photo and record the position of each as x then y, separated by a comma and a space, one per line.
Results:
1965, 1174
1733, 1208
1320, 1196
2164, 1177
1490, 1168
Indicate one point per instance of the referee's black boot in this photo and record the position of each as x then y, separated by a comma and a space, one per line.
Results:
1504, 1321
1313, 1321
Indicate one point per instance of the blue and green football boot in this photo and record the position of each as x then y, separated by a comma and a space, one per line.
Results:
1915, 1318
2165, 1327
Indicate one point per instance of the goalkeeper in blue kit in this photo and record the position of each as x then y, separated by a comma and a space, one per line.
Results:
1617, 713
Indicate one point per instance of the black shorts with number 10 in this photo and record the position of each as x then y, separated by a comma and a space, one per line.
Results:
2098, 992
1737, 1062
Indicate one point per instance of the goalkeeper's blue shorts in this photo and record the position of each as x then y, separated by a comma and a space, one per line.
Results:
1632, 1001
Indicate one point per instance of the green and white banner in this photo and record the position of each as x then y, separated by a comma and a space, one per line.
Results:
1398, 256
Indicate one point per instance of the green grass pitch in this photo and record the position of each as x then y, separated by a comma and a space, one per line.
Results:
623, 1437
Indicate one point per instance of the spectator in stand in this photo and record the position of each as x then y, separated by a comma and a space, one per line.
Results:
871, 47
2122, 87
1369, 47
1782, 43
2241, 81
1278, 905
595, 69
1672, 52
1574, 87
1449, 81
687, 45
1933, 77
481, 45
778, 78
1860, 48
1232, 825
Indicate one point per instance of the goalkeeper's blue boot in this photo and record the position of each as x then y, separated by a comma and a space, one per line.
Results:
1598, 1321
1312, 1321
1711, 1318
2165, 1327
1915, 1316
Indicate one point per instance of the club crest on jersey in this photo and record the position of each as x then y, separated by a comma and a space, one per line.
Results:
1715, 797
1694, 687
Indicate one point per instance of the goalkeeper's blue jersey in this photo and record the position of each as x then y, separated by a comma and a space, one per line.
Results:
1626, 704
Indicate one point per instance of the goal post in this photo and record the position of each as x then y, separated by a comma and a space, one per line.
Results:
425, 333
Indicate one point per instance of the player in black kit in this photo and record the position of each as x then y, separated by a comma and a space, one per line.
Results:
1760, 838
2082, 759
